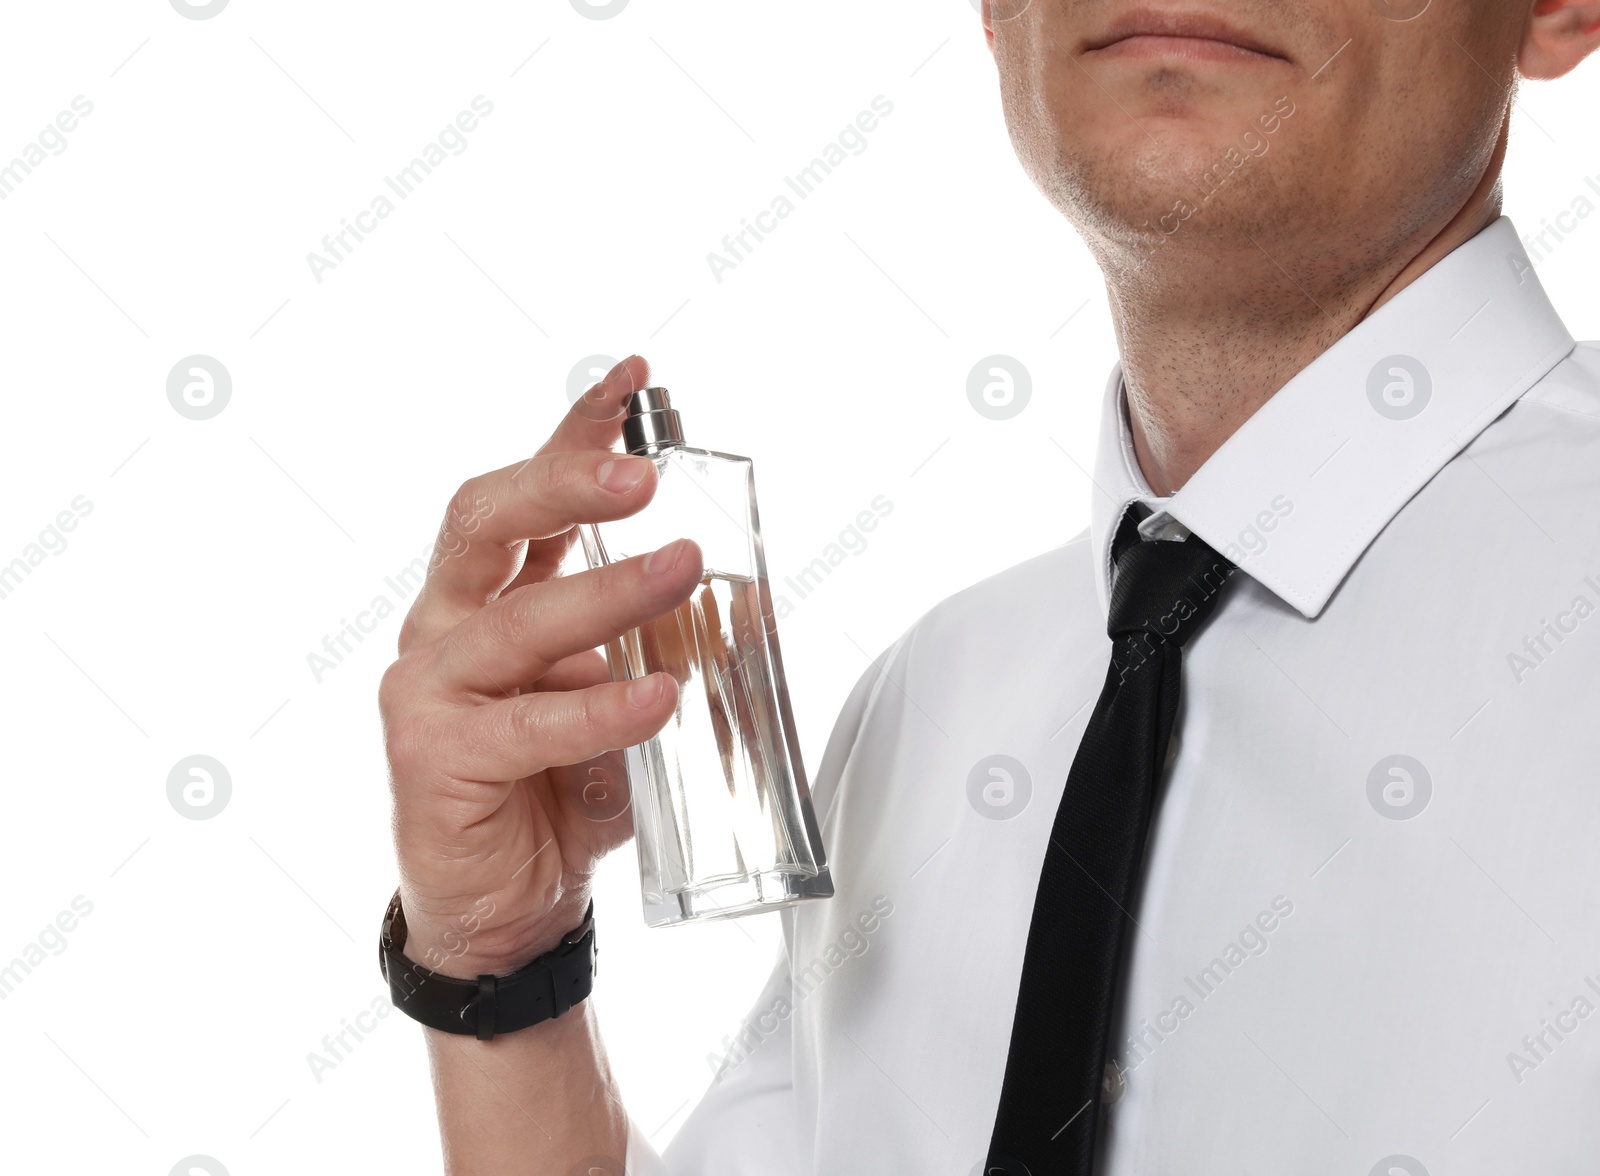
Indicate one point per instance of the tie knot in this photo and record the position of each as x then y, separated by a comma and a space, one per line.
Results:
1165, 588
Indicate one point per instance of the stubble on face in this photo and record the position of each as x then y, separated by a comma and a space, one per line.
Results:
1393, 124
1238, 246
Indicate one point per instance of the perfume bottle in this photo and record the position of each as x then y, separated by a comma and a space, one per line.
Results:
722, 814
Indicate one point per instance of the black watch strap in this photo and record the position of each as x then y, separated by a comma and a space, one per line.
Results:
543, 988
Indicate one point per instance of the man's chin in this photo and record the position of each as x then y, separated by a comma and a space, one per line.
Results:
1178, 178
1133, 215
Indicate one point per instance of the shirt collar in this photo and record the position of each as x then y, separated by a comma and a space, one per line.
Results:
1304, 486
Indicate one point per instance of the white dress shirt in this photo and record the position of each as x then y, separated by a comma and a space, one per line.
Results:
1370, 924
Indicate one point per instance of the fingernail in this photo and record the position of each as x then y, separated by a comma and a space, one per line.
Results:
664, 559
621, 474
646, 692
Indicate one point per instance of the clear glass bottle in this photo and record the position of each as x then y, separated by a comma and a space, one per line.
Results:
722, 814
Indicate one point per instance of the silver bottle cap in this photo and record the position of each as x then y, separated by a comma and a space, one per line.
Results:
652, 423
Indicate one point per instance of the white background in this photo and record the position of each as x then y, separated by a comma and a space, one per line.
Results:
218, 554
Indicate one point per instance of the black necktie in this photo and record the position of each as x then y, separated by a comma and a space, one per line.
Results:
1048, 1118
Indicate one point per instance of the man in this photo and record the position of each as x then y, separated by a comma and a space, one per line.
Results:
1342, 914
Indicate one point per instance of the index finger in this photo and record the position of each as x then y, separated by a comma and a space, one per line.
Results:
595, 419
483, 550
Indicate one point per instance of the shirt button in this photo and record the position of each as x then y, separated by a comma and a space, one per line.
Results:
1112, 1084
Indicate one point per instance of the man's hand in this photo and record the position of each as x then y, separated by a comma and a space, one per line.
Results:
501, 721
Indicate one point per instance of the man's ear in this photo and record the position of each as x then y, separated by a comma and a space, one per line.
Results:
988, 26
1560, 34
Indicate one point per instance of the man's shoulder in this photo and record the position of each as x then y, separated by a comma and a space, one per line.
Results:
1572, 386
1545, 449
1041, 600
1032, 634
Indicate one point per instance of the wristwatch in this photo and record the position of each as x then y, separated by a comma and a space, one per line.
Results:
545, 987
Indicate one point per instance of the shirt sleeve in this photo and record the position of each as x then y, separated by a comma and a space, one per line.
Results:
746, 1124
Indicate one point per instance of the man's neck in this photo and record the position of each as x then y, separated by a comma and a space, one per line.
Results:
1208, 337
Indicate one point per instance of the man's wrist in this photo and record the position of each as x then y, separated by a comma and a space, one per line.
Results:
441, 954
474, 1000
452, 951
